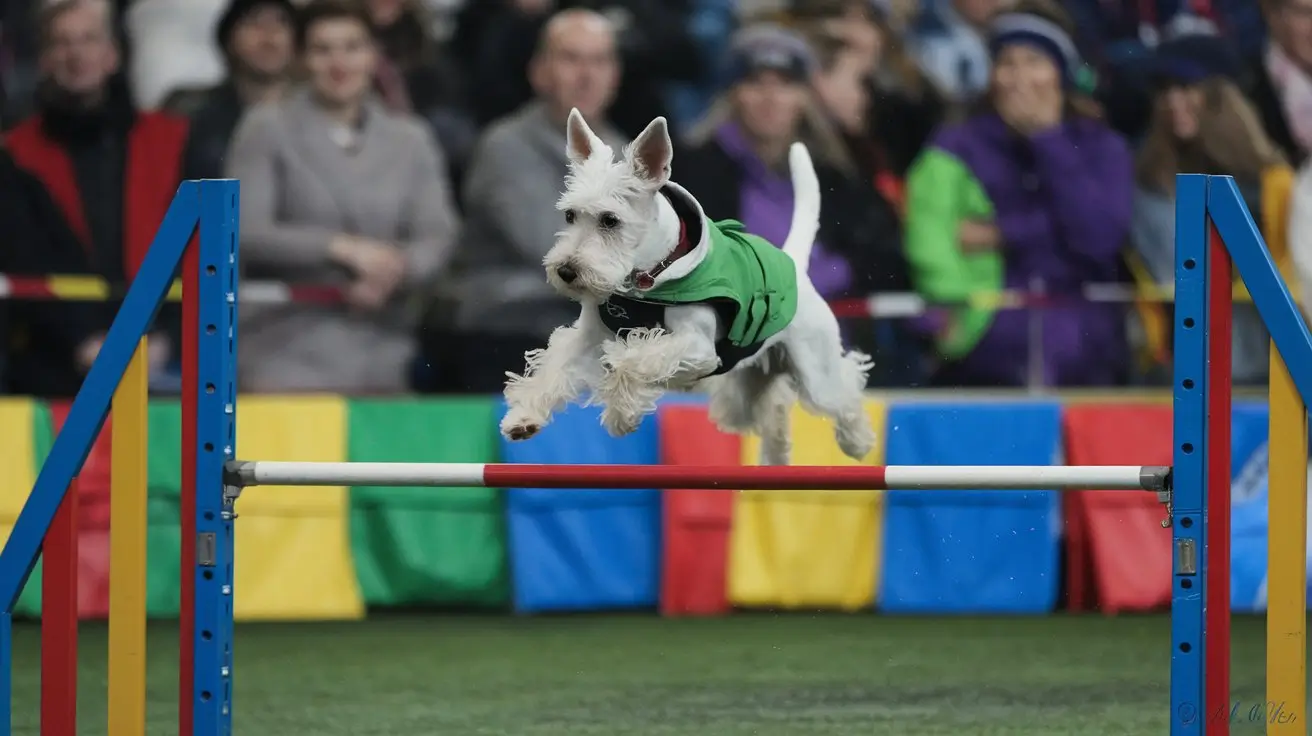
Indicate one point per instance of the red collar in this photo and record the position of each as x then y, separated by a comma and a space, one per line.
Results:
644, 280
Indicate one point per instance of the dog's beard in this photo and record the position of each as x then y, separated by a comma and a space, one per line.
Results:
586, 286
595, 280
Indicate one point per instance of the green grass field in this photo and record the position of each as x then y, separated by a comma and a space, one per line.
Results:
758, 674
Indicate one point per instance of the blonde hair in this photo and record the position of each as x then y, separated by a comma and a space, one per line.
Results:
815, 129
1230, 140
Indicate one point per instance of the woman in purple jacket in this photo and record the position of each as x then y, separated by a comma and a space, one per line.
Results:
1034, 189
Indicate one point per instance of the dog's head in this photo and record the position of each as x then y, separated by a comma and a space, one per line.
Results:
609, 211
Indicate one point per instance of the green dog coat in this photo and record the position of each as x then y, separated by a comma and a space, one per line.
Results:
747, 280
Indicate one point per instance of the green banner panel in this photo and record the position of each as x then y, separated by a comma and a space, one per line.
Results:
163, 530
422, 546
43, 436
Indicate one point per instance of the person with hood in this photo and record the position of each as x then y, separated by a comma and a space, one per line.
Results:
1203, 124
1033, 189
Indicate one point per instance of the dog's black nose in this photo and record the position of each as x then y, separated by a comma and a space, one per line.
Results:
567, 274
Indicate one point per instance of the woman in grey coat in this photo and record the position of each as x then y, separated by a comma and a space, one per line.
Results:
337, 190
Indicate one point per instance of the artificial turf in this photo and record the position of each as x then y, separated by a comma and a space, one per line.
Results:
759, 674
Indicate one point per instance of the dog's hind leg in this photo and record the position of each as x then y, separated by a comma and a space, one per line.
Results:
734, 398
774, 422
751, 399
831, 382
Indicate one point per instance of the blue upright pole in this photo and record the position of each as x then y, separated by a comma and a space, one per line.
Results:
1189, 709
216, 439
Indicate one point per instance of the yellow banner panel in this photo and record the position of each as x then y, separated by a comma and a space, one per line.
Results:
17, 461
293, 544
808, 549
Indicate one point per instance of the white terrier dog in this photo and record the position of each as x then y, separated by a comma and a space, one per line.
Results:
673, 301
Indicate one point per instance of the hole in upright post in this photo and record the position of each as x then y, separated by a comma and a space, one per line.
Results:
1188, 322
1186, 647
1186, 583
211, 329
1189, 264
209, 447
210, 270
207, 575
1187, 448
1188, 383
1186, 522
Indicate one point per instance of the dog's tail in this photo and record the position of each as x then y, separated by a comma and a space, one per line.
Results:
806, 206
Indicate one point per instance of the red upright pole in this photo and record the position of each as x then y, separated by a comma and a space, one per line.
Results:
1216, 637
187, 604
59, 620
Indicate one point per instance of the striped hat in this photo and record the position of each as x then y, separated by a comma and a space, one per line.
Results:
1040, 33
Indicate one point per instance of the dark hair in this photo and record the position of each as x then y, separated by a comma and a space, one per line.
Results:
317, 11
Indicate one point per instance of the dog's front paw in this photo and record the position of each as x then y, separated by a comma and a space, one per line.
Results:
516, 427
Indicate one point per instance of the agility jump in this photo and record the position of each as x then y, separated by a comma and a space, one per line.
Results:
213, 476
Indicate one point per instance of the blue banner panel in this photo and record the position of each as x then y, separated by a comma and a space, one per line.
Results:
579, 550
1248, 509
971, 551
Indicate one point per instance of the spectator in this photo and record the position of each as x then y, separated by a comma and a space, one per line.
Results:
45, 347
654, 40
516, 174
413, 77
710, 24
171, 47
904, 106
1300, 239
954, 54
736, 167
1202, 124
113, 171
337, 189
1032, 187
256, 38
1280, 81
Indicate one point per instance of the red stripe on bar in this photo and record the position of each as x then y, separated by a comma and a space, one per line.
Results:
772, 478
59, 557
27, 287
1216, 641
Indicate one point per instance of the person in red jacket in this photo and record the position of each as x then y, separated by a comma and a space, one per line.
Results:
111, 169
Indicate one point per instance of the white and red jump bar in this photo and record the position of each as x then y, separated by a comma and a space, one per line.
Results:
768, 478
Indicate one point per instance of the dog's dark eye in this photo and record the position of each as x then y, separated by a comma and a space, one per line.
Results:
608, 221
569, 217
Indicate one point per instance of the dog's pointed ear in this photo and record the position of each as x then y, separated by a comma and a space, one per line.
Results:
580, 141
652, 153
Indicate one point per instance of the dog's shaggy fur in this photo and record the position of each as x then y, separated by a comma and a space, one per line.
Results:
619, 224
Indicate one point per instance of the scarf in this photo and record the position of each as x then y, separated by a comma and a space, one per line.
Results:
1294, 88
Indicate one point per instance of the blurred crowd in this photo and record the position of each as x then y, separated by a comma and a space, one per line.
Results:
410, 153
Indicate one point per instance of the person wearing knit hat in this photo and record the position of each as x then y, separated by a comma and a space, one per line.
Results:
1031, 191
256, 39
1191, 51
736, 164
1201, 122
240, 12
